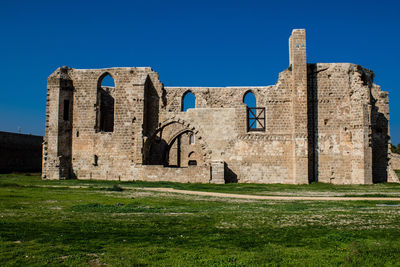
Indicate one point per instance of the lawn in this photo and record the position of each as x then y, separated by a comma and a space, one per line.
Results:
80, 223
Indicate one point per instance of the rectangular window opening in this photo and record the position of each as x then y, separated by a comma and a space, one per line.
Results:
66, 110
191, 139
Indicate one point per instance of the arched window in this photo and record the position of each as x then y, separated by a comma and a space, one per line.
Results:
108, 81
188, 101
250, 99
255, 115
105, 103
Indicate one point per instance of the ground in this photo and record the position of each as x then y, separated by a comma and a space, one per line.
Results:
123, 224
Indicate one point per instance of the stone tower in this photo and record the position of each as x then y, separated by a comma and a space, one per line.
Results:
58, 142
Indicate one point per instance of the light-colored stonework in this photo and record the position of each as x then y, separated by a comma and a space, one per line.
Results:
323, 122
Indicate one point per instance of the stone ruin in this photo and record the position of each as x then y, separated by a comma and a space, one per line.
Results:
325, 122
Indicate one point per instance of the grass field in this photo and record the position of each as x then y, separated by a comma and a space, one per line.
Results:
80, 223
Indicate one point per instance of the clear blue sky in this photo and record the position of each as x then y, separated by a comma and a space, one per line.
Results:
193, 43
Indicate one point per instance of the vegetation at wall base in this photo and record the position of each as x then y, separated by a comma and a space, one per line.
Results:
80, 223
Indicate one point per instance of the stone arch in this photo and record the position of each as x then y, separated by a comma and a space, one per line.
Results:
176, 142
102, 76
178, 134
183, 127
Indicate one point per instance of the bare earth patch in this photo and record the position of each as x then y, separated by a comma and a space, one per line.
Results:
317, 198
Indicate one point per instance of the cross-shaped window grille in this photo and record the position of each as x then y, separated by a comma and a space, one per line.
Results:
255, 119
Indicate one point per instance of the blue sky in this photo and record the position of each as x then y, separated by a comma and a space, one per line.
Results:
190, 43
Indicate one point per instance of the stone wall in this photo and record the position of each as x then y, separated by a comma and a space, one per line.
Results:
395, 161
341, 97
249, 157
20, 152
97, 154
323, 122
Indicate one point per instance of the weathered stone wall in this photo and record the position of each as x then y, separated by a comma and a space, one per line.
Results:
113, 151
395, 159
20, 152
263, 157
341, 118
191, 174
323, 123
249, 157
349, 124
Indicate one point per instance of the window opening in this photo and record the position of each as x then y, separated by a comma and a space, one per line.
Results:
106, 102
191, 139
192, 163
255, 115
188, 101
66, 110
250, 99
95, 160
255, 119
108, 81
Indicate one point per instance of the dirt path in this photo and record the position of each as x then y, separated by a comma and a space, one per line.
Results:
214, 194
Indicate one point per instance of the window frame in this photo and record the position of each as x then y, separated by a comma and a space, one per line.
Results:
259, 119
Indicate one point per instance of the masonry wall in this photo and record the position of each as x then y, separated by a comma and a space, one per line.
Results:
97, 154
257, 157
198, 174
249, 157
343, 134
395, 161
323, 122
20, 152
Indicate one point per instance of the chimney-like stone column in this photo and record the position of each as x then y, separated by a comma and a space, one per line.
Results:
298, 66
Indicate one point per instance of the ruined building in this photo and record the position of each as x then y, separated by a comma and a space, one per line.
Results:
325, 122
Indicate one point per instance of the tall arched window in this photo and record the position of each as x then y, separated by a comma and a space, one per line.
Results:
105, 103
188, 101
255, 115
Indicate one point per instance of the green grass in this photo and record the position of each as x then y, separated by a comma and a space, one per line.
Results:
314, 189
107, 222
